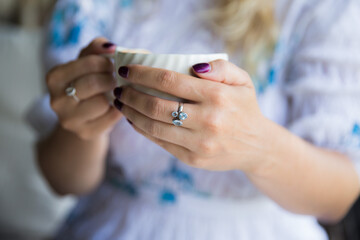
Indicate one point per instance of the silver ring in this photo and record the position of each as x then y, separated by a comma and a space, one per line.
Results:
179, 115
71, 92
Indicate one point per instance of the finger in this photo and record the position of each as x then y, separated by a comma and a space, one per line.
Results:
60, 77
222, 71
167, 132
176, 150
157, 108
98, 46
94, 84
85, 111
103, 124
177, 84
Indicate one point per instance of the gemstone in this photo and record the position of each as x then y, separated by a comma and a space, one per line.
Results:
183, 116
177, 122
70, 91
174, 114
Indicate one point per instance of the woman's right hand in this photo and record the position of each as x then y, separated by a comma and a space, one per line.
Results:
92, 76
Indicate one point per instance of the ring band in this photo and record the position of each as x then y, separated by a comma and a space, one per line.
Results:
71, 92
179, 115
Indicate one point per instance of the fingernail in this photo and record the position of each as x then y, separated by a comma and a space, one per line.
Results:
118, 104
202, 67
123, 71
129, 121
117, 92
108, 45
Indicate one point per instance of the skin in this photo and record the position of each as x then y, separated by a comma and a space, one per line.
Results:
72, 158
225, 130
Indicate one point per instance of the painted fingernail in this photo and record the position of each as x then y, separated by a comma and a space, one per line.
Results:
202, 67
117, 92
123, 71
129, 121
118, 104
108, 45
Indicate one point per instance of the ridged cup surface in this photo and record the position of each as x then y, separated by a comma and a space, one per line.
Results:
180, 63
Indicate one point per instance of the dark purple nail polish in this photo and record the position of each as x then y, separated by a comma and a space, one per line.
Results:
108, 45
129, 121
118, 104
123, 71
117, 92
202, 68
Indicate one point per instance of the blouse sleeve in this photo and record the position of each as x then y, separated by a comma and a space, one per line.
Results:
323, 84
74, 24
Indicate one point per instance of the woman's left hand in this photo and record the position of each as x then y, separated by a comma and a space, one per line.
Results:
224, 129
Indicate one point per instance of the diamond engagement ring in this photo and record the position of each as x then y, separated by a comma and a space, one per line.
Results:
179, 115
71, 92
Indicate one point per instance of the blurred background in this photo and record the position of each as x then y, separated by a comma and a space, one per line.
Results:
28, 208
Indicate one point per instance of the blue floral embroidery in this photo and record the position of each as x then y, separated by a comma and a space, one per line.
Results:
100, 3
261, 85
125, 186
183, 180
101, 27
125, 3
180, 175
74, 33
353, 139
356, 134
272, 76
56, 39
62, 34
356, 130
167, 196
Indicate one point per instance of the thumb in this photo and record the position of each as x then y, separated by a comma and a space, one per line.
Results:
222, 71
98, 46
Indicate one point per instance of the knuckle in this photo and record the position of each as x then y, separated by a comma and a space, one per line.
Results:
92, 62
195, 161
67, 124
55, 105
92, 83
222, 64
153, 129
84, 134
167, 79
51, 77
103, 101
156, 108
100, 104
245, 74
91, 47
128, 95
213, 124
97, 41
83, 52
93, 42
219, 97
207, 147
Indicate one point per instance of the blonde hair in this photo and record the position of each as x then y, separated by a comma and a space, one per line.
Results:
248, 24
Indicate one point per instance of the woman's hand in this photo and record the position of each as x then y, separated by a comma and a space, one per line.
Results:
225, 130
91, 76
72, 158
224, 127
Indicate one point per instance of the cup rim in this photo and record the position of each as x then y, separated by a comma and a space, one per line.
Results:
120, 50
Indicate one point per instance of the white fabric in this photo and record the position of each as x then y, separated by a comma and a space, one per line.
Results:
313, 89
324, 80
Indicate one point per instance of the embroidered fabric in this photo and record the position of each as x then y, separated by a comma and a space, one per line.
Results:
313, 89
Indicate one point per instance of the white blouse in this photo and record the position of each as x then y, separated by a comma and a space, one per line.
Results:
312, 88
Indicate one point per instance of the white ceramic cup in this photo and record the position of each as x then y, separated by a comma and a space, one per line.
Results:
180, 63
